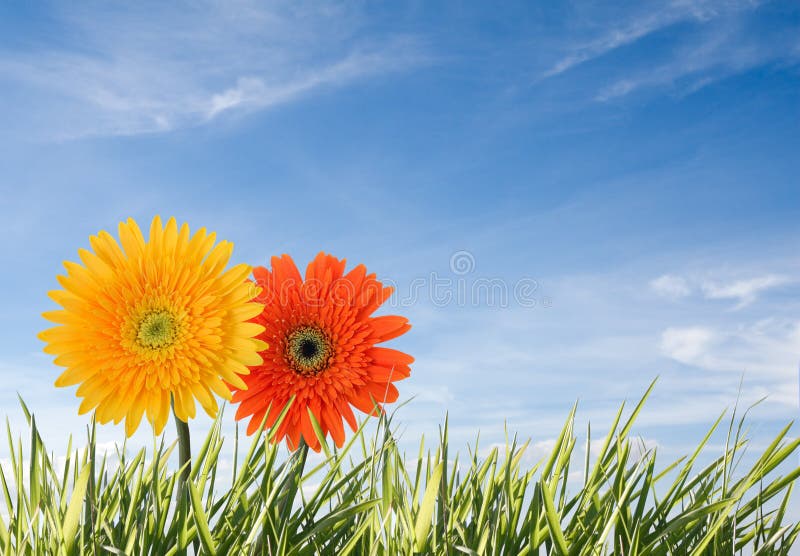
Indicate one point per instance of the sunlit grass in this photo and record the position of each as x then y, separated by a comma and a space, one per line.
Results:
370, 498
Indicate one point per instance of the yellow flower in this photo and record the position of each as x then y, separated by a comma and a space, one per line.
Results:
153, 322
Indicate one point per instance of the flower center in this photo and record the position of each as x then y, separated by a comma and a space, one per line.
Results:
157, 330
308, 350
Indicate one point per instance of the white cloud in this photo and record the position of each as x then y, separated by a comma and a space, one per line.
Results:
153, 70
744, 291
641, 26
712, 53
768, 349
618, 89
673, 287
686, 345
110, 448
613, 40
256, 93
539, 450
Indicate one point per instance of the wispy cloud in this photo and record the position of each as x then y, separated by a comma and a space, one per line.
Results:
769, 349
650, 20
710, 41
614, 39
723, 47
670, 286
156, 70
256, 93
743, 291
695, 66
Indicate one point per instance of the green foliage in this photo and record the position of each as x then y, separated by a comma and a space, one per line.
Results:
368, 498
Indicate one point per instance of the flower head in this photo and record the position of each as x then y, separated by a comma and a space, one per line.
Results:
153, 323
322, 350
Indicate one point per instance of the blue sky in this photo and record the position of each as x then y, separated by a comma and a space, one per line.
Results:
637, 162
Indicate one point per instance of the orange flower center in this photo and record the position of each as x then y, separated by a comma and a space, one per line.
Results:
308, 350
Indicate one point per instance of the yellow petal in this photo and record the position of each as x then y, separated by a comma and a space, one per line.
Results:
107, 249
61, 317
74, 375
87, 405
233, 379
239, 343
134, 416
205, 398
218, 258
246, 312
219, 388
247, 357
163, 412
131, 238
247, 329
233, 277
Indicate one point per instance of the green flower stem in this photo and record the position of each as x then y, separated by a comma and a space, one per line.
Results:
184, 451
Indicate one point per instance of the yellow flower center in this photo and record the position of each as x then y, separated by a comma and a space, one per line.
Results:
308, 350
157, 330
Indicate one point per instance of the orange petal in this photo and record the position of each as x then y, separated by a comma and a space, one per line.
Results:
389, 374
383, 393
308, 431
387, 357
347, 413
389, 326
334, 422
284, 270
363, 402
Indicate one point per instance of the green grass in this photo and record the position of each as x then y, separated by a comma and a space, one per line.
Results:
368, 498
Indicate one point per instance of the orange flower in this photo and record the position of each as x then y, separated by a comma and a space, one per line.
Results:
322, 352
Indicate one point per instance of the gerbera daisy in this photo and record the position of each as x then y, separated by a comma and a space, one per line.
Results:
322, 350
153, 323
